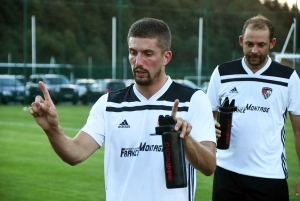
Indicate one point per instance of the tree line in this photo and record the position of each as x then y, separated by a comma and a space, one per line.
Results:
74, 30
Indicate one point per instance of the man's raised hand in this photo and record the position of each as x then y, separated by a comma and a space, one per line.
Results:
44, 111
181, 124
175, 108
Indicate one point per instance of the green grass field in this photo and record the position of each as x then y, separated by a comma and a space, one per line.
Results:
31, 171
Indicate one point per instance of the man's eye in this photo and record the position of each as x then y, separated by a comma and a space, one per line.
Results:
132, 52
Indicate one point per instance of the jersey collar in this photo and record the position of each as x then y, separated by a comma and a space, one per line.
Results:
260, 71
157, 94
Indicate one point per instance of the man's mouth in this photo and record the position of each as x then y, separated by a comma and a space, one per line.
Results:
140, 73
254, 57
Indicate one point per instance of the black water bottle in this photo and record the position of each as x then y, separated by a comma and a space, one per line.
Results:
173, 151
225, 119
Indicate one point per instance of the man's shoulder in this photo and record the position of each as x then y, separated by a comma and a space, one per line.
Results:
178, 91
278, 70
231, 67
123, 95
232, 62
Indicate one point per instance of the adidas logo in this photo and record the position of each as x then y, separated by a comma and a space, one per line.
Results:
233, 90
124, 124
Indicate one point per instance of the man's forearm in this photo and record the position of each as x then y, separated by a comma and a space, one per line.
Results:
200, 156
64, 146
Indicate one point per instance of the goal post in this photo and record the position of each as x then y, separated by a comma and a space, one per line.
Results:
280, 56
294, 58
290, 59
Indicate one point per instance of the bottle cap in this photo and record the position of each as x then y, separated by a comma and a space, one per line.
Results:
165, 124
228, 107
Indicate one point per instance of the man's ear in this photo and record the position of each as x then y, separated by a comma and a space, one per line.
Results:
272, 43
241, 40
167, 57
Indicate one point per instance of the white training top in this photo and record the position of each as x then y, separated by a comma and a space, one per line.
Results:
257, 144
133, 159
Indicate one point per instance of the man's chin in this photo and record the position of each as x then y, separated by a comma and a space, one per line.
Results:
254, 64
142, 82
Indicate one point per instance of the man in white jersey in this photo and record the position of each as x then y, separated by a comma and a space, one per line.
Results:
124, 120
254, 167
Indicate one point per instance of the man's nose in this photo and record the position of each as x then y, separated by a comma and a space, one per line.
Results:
254, 49
139, 60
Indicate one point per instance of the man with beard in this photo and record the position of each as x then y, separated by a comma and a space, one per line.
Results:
124, 120
254, 166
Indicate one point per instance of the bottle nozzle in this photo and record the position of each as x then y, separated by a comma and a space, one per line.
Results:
225, 102
232, 103
226, 107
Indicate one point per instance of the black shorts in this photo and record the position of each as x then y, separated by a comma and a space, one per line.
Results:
230, 186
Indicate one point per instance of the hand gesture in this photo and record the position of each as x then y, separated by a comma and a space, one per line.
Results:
181, 124
44, 111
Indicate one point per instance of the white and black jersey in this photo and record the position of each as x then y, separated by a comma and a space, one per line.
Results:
133, 160
257, 145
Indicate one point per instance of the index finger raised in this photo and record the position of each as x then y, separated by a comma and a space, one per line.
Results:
44, 90
175, 108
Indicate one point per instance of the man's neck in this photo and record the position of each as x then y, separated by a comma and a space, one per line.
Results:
254, 69
149, 91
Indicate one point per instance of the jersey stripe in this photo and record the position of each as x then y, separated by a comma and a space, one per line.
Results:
255, 80
283, 159
191, 187
284, 167
144, 107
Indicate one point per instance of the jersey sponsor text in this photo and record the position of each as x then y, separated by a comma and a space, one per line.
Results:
252, 108
147, 147
257, 108
129, 152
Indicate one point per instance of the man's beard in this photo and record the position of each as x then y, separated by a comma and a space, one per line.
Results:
146, 81
260, 61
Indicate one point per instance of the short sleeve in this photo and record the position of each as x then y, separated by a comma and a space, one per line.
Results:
95, 125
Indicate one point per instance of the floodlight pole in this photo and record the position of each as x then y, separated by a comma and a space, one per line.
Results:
90, 65
25, 36
9, 61
33, 44
124, 68
120, 36
295, 41
200, 51
114, 48
52, 63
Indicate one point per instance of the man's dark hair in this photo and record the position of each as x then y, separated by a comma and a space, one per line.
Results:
259, 22
152, 28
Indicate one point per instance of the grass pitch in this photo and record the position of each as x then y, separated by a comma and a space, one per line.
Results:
31, 171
